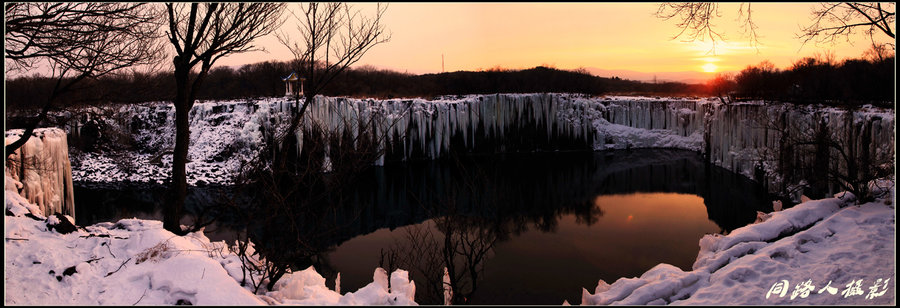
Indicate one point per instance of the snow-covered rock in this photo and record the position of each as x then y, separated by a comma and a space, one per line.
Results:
804, 251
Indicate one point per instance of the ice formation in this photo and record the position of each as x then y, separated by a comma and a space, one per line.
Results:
40, 170
736, 136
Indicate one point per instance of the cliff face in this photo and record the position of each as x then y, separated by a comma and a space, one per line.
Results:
792, 145
40, 170
762, 141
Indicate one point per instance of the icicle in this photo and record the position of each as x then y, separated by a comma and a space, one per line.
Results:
337, 283
448, 289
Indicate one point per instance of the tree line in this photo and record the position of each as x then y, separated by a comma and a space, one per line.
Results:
818, 79
263, 79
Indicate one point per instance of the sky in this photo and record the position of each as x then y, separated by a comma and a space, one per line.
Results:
609, 36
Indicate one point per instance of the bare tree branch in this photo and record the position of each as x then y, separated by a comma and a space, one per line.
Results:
830, 21
78, 41
834, 21
748, 26
694, 19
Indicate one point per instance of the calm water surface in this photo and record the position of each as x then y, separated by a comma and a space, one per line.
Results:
511, 229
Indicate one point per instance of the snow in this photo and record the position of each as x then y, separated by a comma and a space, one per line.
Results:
16, 204
136, 261
616, 136
819, 243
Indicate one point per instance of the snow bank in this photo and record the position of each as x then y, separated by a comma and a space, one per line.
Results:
810, 247
137, 262
307, 287
15, 203
40, 170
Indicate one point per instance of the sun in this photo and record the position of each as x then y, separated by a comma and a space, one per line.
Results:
709, 68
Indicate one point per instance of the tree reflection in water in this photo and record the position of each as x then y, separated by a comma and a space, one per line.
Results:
448, 253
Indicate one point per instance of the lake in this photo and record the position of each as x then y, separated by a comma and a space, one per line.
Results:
520, 228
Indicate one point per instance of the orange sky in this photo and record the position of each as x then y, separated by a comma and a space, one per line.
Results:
625, 36
610, 36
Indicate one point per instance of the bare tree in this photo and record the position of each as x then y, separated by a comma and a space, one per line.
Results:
830, 21
77, 41
202, 34
333, 37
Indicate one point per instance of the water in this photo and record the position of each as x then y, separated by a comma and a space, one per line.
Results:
519, 228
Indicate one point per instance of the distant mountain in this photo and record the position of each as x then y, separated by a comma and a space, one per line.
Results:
685, 77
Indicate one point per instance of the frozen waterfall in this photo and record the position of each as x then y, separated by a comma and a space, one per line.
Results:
740, 137
42, 170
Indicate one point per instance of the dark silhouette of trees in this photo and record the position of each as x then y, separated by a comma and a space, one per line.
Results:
813, 152
201, 34
722, 86
76, 41
821, 79
809, 80
758, 81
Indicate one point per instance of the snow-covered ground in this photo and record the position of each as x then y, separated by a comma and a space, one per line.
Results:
137, 262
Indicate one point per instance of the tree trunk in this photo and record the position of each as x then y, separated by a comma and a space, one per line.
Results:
178, 186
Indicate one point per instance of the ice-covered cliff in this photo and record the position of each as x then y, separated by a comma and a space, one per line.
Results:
747, 138
40, 170
785, 145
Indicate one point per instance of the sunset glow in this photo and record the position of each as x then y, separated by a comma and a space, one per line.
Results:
608, 36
